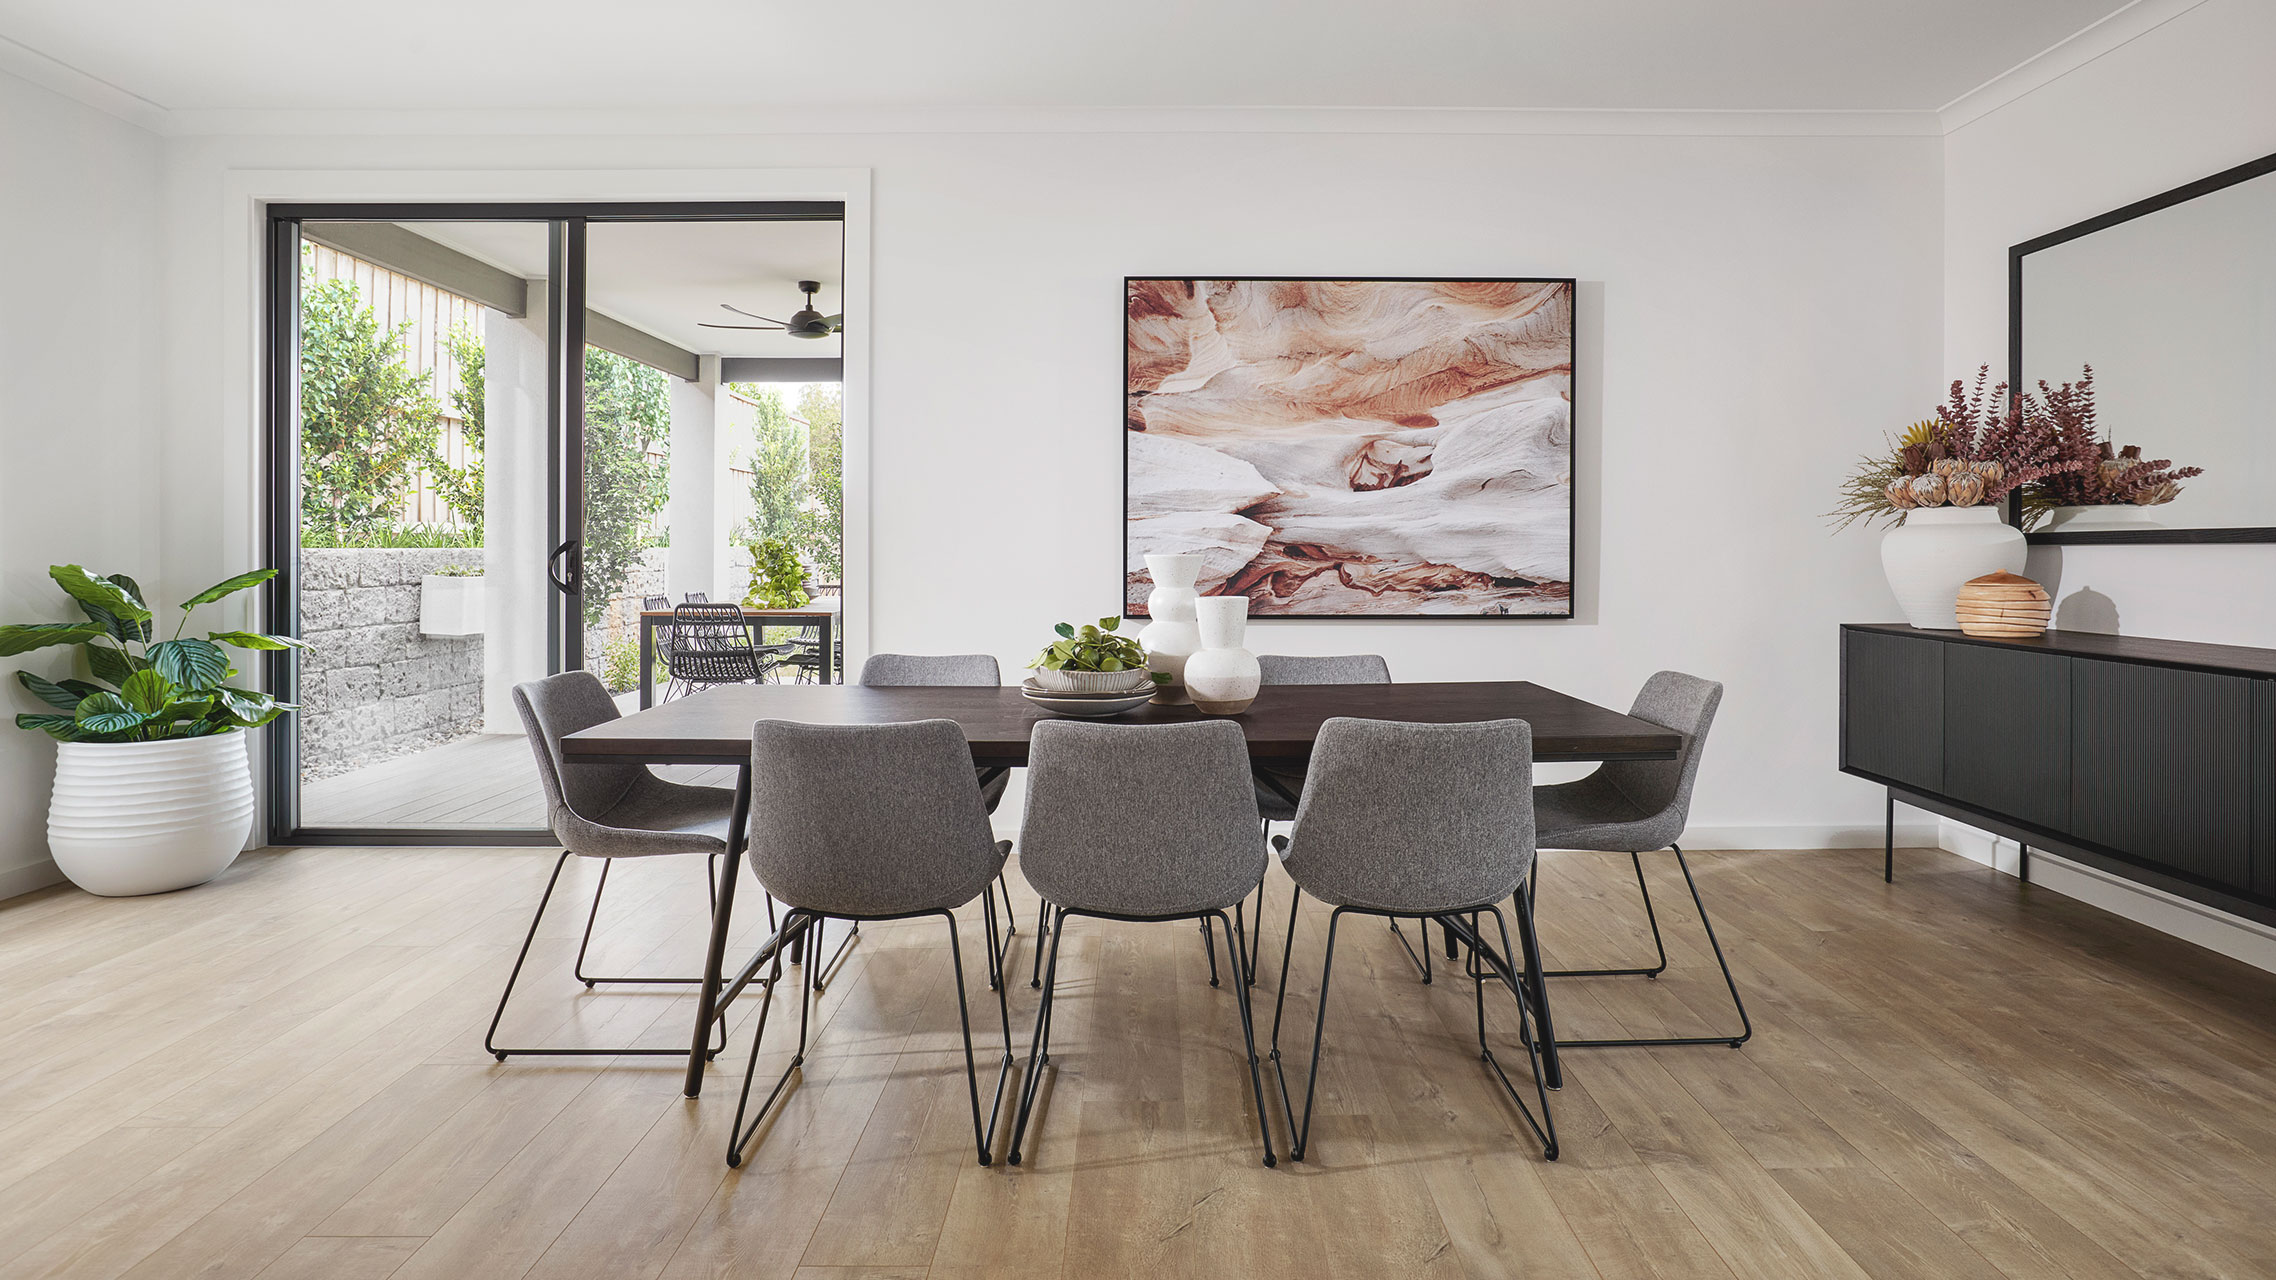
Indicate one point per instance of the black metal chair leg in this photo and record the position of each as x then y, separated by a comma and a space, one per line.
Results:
1658, 945
1422, 957
982, 1130
1241, 982
1256, 939
1300, 1136
737, 1134
1042, 930
1546, 1127
1746, 1026
711, 891
1039, 1050
1280, 1003
824, 969
1209, 941
490, 1038
1889, 840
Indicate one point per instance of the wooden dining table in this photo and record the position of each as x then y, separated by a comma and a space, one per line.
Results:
713, 727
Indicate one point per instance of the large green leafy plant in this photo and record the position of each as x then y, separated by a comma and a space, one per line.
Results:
144, 689
778, 580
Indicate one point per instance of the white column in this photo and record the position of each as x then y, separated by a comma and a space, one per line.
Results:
691, 564
730, 494
517, 594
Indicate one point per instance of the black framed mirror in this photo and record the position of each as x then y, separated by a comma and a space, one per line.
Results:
2172, 300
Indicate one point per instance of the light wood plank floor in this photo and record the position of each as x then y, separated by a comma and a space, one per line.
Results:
488, 780
281, 1075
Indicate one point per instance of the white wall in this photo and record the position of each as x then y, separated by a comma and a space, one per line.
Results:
2189, 98
1753, 310
79, 402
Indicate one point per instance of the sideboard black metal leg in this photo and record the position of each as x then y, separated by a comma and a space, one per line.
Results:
1889, 840
2023, 862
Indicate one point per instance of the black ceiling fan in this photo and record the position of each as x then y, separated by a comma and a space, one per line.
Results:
804, 323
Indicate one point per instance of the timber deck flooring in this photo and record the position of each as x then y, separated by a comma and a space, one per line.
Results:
281, 1075
484, 781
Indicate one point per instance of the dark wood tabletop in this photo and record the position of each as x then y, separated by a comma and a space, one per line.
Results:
714, 726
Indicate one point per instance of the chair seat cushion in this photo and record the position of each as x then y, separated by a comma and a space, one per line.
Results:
992, 792
1593, 814
658, 818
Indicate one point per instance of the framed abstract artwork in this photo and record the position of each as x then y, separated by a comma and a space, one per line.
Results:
1392, 448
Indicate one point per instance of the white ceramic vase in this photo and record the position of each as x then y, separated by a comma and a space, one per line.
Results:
144, 817
1937, 549
1222, 676
2114, 518
1172, 636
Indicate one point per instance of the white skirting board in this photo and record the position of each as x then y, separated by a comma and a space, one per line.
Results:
2239, 939
17, 881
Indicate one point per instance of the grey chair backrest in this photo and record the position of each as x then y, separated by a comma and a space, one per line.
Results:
890, 669
1140, 820
1415, 817
552, 709
1357, 668
868, 820
1686, 704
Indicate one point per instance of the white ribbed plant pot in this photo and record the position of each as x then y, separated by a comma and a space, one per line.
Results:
1093, 681
2117, 518
1172, 636
1937, 550
130, 818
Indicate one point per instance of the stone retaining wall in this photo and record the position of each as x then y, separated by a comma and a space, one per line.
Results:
371, 686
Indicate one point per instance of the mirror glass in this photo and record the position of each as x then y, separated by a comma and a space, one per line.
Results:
2176, 311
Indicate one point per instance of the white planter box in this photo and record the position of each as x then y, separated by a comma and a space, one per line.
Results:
450, 607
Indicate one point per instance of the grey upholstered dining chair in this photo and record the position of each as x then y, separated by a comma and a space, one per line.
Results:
605, 811
967, 670
1635, 807
1139, 822
869, 822
1279, 785
1423, 821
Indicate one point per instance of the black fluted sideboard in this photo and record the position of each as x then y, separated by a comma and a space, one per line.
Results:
2154, 760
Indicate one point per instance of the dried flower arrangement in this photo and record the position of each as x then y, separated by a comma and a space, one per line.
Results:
2106, 477
1980, 447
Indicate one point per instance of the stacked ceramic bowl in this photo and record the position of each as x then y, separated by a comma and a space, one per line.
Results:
1089, 694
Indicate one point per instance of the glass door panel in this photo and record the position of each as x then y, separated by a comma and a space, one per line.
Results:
422, 431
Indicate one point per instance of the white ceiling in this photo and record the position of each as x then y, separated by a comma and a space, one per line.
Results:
668, 277
1740, 55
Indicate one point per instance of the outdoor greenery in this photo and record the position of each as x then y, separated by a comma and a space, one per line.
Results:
626, 411
392, 536
369, 422
778, 580
620, 665
144, 690
797, 470
1094, 648
461, 487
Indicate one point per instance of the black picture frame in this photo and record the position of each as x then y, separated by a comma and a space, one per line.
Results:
2125, 213
1572, 506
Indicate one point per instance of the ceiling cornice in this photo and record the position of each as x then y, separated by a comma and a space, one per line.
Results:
2041, 69
26, 63
748, 122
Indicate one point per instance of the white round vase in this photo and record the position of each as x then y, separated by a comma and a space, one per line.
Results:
1171, 636
144, 817
2115, 518
1223, 677
1937, 549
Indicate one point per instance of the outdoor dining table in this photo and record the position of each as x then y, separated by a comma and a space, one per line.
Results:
821, 615
713, 727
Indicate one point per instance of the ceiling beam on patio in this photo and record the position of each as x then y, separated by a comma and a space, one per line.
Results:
782, 369
406, 252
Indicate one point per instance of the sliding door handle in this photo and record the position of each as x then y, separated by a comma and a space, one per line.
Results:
553, 566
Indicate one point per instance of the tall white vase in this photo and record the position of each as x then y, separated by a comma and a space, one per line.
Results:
1223, 676
144, 817
1938, 549
1172, 636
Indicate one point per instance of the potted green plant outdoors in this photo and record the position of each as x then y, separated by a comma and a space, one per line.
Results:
1094, 659
153, 788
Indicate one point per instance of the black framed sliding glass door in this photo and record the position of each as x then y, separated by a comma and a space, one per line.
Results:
479, 468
